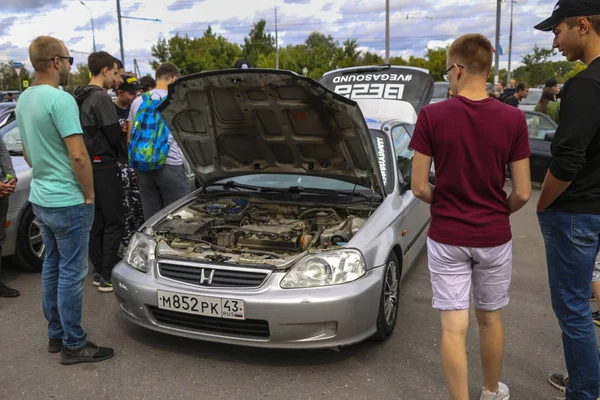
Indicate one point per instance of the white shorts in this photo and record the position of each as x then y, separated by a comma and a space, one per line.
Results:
454, 268
596, 273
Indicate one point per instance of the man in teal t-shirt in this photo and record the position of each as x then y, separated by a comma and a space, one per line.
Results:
62, 196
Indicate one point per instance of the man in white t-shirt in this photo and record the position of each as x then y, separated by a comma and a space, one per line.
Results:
164, 186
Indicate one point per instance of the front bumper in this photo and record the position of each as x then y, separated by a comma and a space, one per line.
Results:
324, 317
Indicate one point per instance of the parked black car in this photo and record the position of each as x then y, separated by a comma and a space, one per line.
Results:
541, 132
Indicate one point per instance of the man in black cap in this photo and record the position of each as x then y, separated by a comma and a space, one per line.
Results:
242, 63
126, 94
569, 205
132, 205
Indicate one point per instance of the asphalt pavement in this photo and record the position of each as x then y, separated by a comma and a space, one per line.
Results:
150, 365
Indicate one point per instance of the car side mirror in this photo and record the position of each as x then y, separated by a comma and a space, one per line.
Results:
548, 137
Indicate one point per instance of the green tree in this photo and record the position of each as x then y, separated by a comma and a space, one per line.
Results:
436, 62
259, 42
368, 58
321, 51
348, 55
577, 68
10, 79
192, 55
537, 67
79, 77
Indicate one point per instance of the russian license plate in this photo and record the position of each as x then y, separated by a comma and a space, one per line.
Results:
201, 305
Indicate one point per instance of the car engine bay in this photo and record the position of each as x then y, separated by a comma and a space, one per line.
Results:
242, 230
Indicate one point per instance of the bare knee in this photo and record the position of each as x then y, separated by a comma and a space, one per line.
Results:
455, 323
487, 319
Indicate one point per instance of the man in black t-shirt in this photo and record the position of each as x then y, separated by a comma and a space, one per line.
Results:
521, 93
569, 203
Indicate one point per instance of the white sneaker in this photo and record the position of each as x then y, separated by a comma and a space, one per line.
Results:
503, 393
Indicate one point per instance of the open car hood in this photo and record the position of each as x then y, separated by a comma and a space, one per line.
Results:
383, 92
259, 121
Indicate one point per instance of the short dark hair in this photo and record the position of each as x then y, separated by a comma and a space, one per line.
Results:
100, 60
521, 86
166, 71
148, 83
474, 51
119, 63
593, 19
550, 83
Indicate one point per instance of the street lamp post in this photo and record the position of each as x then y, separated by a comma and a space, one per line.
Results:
497, 61
119, 18
387, 31
512, 2
93, 31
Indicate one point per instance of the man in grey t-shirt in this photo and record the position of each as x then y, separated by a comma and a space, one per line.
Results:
164, 186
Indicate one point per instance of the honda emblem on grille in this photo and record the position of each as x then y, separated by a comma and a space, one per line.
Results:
206, 276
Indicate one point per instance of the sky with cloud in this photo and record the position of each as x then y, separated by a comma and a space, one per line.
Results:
414, 25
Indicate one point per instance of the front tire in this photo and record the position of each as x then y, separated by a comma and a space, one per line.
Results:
30, 250
388, 305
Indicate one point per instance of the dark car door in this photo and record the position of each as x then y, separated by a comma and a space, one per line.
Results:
541, 132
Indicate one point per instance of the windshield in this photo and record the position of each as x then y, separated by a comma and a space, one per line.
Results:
533, 98
440, 90
387, 83
12, 137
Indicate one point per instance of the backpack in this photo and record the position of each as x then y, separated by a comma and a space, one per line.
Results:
149, 140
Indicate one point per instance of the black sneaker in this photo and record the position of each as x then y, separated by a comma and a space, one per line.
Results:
54, 345
97, 280
105, 286
596, 317
559, 381
90, 353
5, 291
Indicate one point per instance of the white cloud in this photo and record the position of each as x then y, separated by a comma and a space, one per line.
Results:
414, 25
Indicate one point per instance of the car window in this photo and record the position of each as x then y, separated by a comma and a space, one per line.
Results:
12, 137
539, 125
401, 135
440, 90
533, 98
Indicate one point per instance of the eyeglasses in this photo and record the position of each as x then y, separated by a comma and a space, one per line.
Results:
445, 75
64, 57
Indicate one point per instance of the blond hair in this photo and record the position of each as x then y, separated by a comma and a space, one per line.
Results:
474, 51
42, 50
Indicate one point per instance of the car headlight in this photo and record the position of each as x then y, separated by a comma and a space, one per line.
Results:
141, 252
325, 269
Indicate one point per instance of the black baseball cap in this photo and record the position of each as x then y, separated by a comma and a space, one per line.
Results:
130, 84
569, 8
551, 83
242, 63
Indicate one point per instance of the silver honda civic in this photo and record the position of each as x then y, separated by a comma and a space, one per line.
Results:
304, 223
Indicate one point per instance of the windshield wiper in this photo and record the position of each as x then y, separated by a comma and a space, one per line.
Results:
15, 152
300, 189
235, 185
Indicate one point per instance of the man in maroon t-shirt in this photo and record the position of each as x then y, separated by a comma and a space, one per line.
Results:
471, 138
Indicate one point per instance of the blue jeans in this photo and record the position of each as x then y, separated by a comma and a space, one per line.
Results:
572, 243
66, 234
